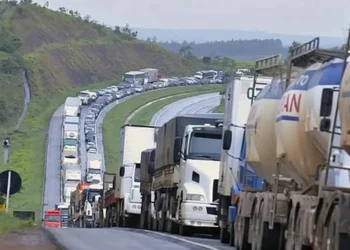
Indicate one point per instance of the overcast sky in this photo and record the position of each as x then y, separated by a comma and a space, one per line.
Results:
304, 17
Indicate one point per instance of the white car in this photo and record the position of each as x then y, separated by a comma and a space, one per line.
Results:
92, 150
90, 145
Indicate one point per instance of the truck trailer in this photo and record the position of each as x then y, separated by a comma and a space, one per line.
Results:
123, 204
297, 142
185, 175
151, 75
72, 106
238, 97
94, 169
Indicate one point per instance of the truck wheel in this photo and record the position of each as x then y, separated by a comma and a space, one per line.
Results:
184, 230
171, 227
224, 235
266, 239
242, 231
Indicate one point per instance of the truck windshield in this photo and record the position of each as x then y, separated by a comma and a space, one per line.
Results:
83, 94
64, 211
54, 218
70, 142
94, 171
205, 145
137, 173
93, 193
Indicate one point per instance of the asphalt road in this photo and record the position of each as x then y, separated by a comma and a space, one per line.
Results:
191, 105
52, 186
76, 239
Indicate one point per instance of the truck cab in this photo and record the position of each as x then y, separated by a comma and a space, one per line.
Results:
53, 218
64, 208
199, 174
84, 97
89, 197
130, 183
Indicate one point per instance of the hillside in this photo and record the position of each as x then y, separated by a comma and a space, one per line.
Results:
61, 49
237, 49
62, 53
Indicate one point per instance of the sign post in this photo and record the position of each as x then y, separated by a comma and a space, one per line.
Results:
8, 191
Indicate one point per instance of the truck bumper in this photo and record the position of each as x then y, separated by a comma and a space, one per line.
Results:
133, 208
232, 213
198, 214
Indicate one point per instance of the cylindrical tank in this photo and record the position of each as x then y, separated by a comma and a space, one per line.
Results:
260, 132
344, 110
300, 145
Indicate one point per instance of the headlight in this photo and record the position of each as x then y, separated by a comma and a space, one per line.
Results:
195, 197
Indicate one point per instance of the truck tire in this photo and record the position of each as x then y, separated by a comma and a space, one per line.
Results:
224, 235
171, 227
184, 230
232, 235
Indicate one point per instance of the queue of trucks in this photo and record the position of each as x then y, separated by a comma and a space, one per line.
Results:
270, 173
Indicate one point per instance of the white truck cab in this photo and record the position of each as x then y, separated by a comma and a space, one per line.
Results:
130, 184
84, 97
199, 174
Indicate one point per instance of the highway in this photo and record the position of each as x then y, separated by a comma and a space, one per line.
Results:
107, 238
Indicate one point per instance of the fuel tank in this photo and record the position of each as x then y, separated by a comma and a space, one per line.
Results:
260, 132
301, 146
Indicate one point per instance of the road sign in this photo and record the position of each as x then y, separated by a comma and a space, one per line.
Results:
15, 182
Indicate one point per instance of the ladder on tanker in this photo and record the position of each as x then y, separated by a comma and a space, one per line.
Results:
305, 55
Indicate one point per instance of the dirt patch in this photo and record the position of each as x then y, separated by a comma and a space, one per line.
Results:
28, 239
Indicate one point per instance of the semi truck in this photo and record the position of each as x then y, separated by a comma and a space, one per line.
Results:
52, 218
64, 208
72, 106
185, 175
83, 202
70, 155
238, 95
123, 203
151, 75
94, 168
134, 77
71, 131
297, 142
146, 179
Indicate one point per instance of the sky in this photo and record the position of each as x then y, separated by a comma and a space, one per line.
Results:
303, 17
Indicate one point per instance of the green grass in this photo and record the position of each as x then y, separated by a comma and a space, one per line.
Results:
221, 107
10, 223
116, 117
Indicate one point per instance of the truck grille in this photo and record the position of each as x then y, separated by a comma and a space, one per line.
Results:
212, 210
215, 190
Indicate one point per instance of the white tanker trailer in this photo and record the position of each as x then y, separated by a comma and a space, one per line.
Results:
293, 145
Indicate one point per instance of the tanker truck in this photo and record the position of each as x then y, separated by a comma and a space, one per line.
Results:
185, 175
238, 96
293, 144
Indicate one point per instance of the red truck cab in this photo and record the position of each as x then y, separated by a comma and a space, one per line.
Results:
53, 218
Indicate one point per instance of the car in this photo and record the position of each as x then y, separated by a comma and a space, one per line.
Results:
89, 130
89, 145
138, 89
90, 137
92, 150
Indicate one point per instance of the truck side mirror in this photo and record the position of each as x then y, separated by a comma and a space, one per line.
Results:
151, 168
177, 149
326, 102
121, 171
226, 142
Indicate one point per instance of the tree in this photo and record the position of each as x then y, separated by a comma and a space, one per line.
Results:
293, 45
185, 51
87, 18
71, 12
47, 4
206, 59
62, 9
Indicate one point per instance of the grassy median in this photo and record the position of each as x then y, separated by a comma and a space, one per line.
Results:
116, 117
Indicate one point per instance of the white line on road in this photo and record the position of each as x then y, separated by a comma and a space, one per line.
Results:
181, 239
